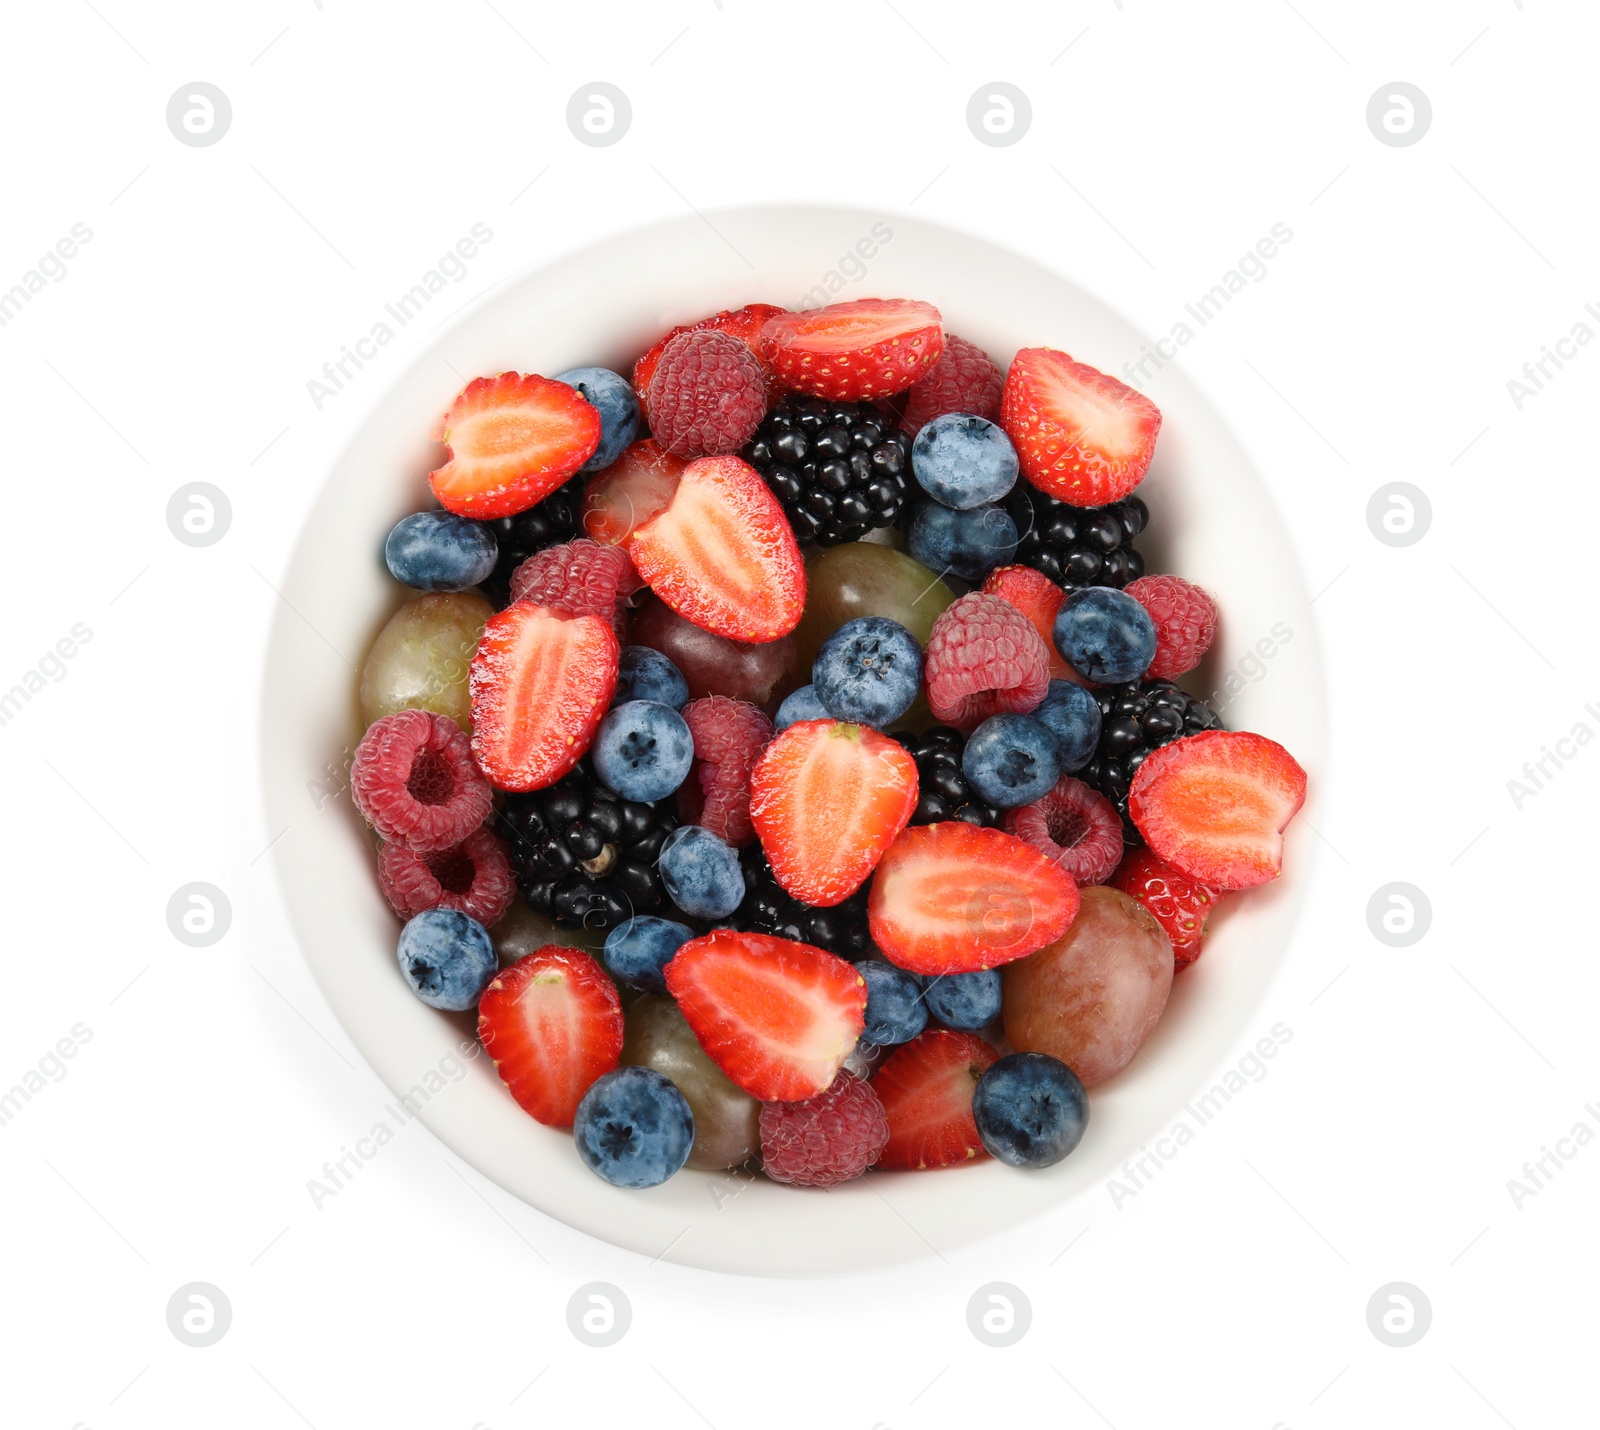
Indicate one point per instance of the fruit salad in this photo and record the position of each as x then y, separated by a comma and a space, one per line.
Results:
784, 753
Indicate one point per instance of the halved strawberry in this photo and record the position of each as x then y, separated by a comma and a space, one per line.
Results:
540, 682
743, 323
1215, 805
629, 492
926, 1090
955, 897
826, 799
721, 553
1038, 598
850, 352
1083, 437
778, 1017
1181, 905
513, 440
552, 1023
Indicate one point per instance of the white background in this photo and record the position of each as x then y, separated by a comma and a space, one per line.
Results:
1167, 138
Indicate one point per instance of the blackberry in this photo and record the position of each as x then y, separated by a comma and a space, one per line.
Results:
1134, 720
1077, 545
546, 523
768, 909
839, 468
585, 856
943, 791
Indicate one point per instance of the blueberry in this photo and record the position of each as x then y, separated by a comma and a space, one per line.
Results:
638, 949
447, 958
1011, 760
1031, 1110
646, 674
968, 1001
642, 750
1072, 715
1105, 635
633, 1127
701, 873
801, 704
963, 461
435, 551
619, 410
868, 671
969, 543
895, 1011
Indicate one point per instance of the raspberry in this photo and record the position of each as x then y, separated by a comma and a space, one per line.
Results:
1186, 623
1179, 904
582, 578
1075, 828
829, 1138
728, 737
984, 657
415, 781
708, 395
965, 379
473, 878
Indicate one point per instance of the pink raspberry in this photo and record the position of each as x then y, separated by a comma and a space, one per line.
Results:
708, 395
473, 877
1075, 828
1186, 622
965, 379
984, 657
582, 578
729, 735
415, 780
829, 1138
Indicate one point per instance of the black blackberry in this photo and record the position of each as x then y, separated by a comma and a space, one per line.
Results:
584, 856
1134, 720
768, 909
943, 791
1077, 545
546, 523
839, 468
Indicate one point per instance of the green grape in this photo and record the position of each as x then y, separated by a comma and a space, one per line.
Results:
421, 659
727, 1128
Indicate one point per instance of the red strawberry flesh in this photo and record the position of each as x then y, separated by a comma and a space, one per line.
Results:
955, 898
826, 799
513, 440
541, 681
926, 1090
1215, 805
778, 1017
552, 1024
722, 555
1081, 436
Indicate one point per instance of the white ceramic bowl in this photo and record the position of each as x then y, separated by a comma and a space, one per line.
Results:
1212, 521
